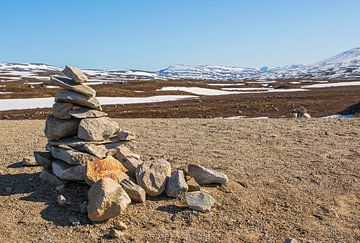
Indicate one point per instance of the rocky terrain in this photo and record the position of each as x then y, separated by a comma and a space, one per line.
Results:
287, 179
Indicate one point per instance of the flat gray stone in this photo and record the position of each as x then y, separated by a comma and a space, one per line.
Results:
69, 84
99, 151
86, 113
107, 199
135, 192
97, 129
67, 172
203, 175
71, 156
77, 99
44, 159
176, 184
152, 176
56, 129
129, 159
74, 141
50, 178
61, 110
199, 201
75, 74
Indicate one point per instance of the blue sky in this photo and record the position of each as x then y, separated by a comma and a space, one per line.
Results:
152, 34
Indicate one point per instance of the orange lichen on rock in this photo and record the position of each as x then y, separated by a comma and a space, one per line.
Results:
107, 167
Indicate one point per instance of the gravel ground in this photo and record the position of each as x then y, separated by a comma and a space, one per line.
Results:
288, 178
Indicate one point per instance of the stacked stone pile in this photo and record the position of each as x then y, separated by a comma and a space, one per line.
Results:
85, 145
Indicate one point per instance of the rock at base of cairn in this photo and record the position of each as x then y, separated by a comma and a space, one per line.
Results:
102, 168
152, 176
107, 199
176, 184
135, 192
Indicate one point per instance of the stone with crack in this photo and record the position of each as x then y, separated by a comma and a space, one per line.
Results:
153, 175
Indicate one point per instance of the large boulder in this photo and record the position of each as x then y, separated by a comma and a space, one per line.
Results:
67, 172
82, 113
129, 159
77, 99
206, 176
69, 84
97, 129
135, 192
56, 129
176, 184
107, 199
102, 168
61, 110
71, 156
199, 201
152, 176
75, 74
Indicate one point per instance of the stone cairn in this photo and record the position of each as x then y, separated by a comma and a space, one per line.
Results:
85, 145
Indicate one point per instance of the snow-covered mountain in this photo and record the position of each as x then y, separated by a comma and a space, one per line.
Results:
345, 65
29, 71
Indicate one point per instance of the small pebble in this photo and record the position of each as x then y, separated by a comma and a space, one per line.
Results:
83, 207
73, 220
120, 225
60, 189
114, 233
61, 200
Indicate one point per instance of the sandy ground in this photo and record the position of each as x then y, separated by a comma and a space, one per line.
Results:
288, 178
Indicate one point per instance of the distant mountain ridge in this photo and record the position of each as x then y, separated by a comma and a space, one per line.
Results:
345, 65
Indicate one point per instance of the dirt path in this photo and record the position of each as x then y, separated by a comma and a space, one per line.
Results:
288, 178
